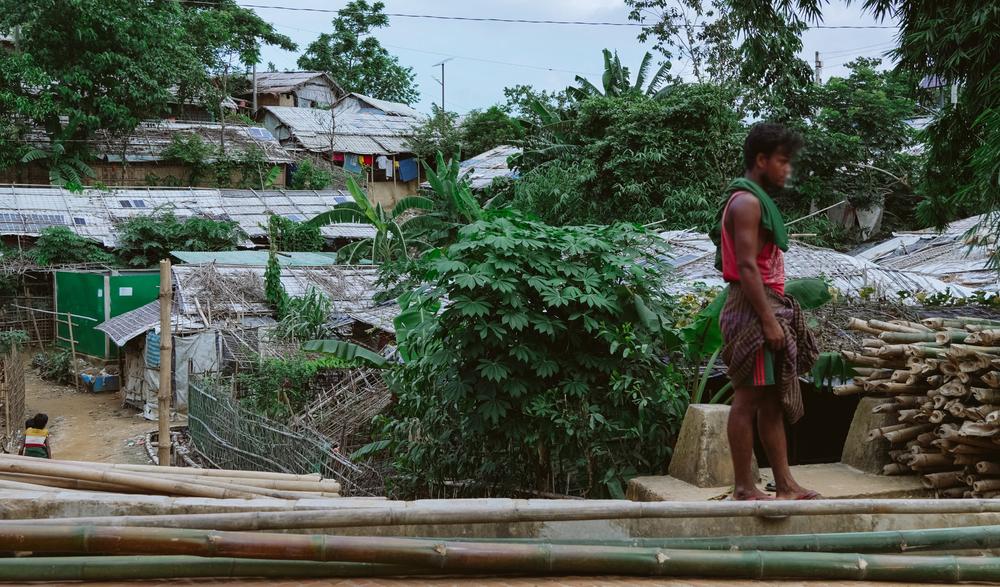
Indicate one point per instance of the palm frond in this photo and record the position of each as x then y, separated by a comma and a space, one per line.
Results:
640, 77
659, 77
411, 203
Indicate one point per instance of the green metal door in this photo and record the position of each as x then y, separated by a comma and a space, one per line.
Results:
82, 295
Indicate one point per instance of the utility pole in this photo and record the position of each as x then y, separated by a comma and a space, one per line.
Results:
254, 113
819, 70
441, 81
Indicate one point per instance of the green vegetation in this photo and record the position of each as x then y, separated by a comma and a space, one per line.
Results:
353, 56
308, 176
145, 240
12, 340
547, 362
289, 235
54, 365
59, 245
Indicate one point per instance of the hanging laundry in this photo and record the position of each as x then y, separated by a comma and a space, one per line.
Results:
352, 163
338, 157
382, 162
366, 160
390, 169
408, 169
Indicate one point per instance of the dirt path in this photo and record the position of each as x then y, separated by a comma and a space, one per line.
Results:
87, 426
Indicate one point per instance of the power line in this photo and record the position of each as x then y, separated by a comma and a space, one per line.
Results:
507, 20
463, 57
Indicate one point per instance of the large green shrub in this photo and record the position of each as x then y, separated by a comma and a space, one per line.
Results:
59, 245
547, 367
145, 240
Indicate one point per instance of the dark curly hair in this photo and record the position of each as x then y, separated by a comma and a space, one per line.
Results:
768, 137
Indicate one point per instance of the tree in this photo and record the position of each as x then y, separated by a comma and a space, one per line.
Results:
355, 58
615, 81
547, 363
389, 242
522, 99
765, 62
483, 130
633, 158
439, 133
858, 143
107, 64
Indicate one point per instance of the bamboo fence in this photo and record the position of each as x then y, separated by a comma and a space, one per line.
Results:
942, 377
11, 400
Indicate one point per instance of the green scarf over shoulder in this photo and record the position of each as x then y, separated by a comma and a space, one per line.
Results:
770, 217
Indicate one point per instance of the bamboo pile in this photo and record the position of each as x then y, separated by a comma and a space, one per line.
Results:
45, 475
943, 377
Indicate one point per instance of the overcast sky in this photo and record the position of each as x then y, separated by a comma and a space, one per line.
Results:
490, 56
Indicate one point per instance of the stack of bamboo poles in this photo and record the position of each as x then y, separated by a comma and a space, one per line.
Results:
44, 475
943, 376
116, 553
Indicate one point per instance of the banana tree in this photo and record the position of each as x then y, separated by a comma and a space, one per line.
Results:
390, 241
615, 80
65, 168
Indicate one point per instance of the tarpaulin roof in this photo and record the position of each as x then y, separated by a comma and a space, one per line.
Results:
256, 258
148, 141
95, 214
959, 255
693, 257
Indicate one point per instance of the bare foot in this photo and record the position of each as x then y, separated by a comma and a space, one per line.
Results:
752, 494
797, 492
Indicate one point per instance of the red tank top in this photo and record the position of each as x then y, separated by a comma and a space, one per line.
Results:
770, 259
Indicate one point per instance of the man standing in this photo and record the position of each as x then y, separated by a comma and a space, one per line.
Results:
766, 344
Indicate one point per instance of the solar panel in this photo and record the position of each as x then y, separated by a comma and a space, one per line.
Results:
125, 203
79, 221
139, 203
260, 133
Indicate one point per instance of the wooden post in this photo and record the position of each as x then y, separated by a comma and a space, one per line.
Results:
72, 350
166, 346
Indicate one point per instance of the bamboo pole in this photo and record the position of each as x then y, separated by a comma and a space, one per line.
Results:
859, 325
64, 483
517, 511
137, 568
890, 327
285, 481
907, 337
502, 558
166, 348
118, 478
909, 433
943, 480
72, 349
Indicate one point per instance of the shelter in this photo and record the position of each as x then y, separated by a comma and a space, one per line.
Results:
481, 170
959, 255
25, 211
85, 299
364, 135
692, 255
138, 158
300, 89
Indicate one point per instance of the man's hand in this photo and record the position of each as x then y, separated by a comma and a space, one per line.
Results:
774, 336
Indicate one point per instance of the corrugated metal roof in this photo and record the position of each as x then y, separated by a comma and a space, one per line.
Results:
481, 170
353, 131
148, 141
284, 82
355, 102
94, 214
693, 257
256, 258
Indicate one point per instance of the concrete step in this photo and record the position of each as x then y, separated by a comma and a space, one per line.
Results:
832, 480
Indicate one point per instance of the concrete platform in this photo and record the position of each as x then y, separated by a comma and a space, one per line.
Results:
833, 480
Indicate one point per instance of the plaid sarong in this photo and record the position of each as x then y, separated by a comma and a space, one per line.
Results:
743, 342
